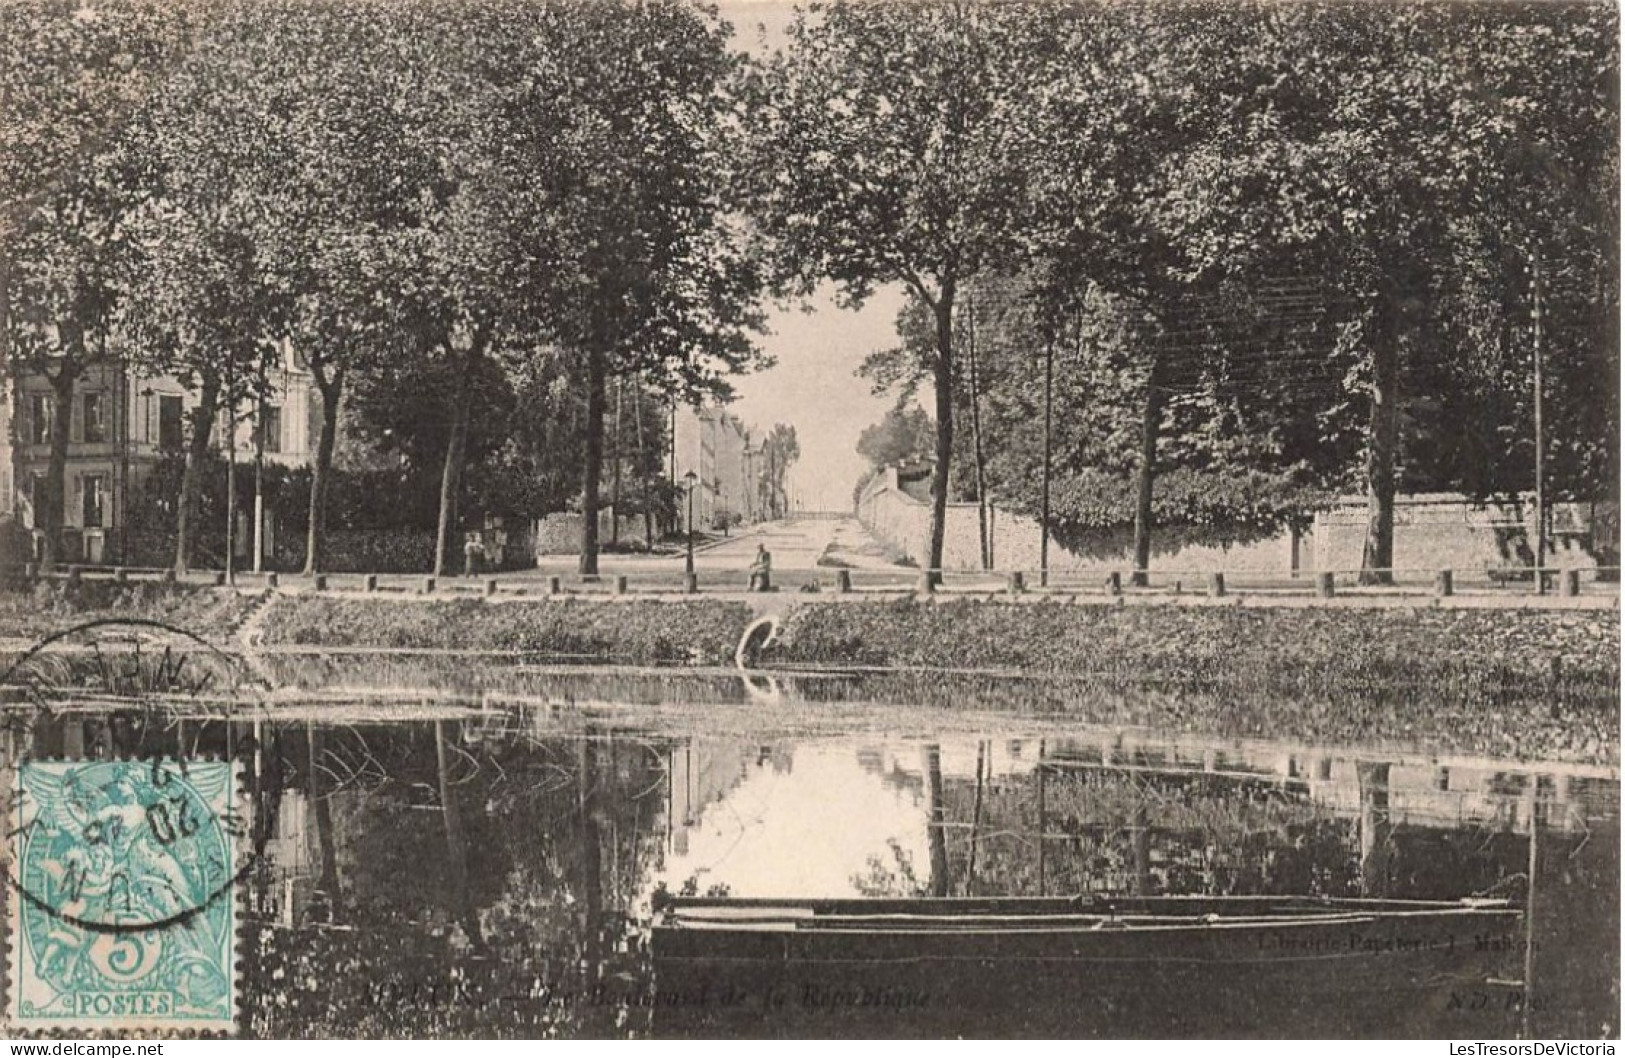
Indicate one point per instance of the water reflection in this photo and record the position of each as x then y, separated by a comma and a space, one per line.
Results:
490, 869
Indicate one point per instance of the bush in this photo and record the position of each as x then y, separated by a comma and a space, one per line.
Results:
663, 633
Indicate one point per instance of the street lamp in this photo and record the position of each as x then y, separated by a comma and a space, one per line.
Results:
691, 479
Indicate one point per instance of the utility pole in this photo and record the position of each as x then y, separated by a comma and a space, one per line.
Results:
259, 474
1540, 435
231, 474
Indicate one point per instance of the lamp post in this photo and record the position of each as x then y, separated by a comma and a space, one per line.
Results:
688, 562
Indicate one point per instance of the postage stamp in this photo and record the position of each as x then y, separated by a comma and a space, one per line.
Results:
124, 915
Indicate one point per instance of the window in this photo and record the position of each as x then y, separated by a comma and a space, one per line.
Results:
93, 500
40, 408
169, 422
95, 418
271, 425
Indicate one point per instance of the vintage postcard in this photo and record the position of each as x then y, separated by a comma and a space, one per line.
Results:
909, 519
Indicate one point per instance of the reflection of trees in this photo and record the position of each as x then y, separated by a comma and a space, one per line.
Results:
488, 887
1144, 833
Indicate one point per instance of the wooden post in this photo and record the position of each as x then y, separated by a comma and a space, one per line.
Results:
1114, 584
1568, 582
428, 585
1325, 585
1215, 585
843, 581
272, 580
370, 582
319, 582
490, 586
555, 585
620, 585
1017, 583
1444, 583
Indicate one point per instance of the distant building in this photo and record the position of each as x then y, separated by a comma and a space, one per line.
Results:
123, 424
717, 449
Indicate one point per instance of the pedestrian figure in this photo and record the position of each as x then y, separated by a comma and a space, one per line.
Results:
473, 555
761, 570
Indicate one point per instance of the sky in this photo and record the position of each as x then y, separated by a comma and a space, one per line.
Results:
814, 386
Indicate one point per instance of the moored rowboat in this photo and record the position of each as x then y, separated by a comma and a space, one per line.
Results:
1140, 966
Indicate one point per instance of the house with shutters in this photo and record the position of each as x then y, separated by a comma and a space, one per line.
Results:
123, 424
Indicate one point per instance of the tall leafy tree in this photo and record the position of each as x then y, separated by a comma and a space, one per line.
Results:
71, 77
653, 278
890, 146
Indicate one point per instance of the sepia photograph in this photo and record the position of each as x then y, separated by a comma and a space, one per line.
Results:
809, 519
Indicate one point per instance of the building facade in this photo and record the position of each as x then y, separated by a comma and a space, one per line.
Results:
717, 449
123, 424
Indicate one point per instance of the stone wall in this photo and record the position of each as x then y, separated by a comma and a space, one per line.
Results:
1431, 532
560, 534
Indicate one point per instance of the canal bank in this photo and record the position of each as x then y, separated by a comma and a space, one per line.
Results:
1503, 681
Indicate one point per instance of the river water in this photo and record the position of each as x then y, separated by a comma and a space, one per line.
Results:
486, 862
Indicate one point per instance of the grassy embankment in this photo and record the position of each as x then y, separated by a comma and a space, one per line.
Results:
48, 608
1531, 684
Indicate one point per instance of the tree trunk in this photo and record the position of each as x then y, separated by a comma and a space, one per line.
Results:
935, 838
1376, 828
976, 819
316, 523
451, 472
1376, 564
1145, 476
592, 463
456, 844
615, 468
943, 376
592, 855
644, 470
322, 809
50, 515
976, 438
197, 453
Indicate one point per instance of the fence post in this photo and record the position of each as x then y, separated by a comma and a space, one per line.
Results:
121, 576
428, 585
555, 585
272, 580
925, 583
319, 582
1018, 583
370, 582
1325, 585
620, 585
1215, 585
1444, 583
1114, 584
490, 586
1568, 582
843, 581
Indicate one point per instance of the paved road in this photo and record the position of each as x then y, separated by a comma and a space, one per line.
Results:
795, 544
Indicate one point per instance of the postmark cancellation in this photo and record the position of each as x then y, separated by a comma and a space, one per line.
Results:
123, 914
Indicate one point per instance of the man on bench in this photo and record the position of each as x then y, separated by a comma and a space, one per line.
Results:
761, 570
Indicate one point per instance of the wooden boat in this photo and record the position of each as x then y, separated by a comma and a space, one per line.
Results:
1124, 967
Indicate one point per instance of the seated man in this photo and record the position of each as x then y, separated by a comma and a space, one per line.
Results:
761, 570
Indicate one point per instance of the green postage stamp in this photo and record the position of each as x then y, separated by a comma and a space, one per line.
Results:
123, 912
